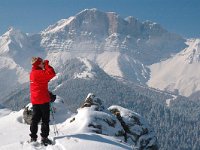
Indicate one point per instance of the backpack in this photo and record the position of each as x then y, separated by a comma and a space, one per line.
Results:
27, 114
28, 110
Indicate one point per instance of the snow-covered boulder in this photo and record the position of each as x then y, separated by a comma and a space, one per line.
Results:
92, 117
137, 130
90, 100
115, 121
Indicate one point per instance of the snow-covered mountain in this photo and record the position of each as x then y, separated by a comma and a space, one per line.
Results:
16, 50
126, 45
121, 47
180, 73
18, 46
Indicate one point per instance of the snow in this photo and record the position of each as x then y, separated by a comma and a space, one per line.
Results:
168, 101
108, 61
4, 112
8, 63
59, 25
177, 72
14, 133
87, 73
11, 75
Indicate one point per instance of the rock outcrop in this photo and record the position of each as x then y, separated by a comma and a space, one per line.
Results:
116, 121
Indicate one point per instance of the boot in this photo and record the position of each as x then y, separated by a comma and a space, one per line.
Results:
46, 141
33, 140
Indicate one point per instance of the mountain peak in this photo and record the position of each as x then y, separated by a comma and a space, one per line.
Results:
13, 35
92, 10
131, 19
59, 26
87, 12
13, 32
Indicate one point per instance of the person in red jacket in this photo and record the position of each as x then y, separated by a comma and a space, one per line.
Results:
40, 75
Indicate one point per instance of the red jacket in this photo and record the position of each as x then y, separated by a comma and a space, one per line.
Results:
39, 84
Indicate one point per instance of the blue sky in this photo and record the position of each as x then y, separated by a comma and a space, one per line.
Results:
32, 16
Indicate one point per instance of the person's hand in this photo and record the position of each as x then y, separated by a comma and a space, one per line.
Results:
46, 62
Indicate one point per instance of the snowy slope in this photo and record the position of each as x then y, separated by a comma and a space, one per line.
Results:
4, 111
180, 73
73, 133
15, 137
12, 75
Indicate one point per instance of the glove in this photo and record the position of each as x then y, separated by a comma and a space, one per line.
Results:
46, 62
52, 97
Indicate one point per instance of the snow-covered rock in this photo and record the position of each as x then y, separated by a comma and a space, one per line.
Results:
90, 100
92, 117
119, 122
137, 130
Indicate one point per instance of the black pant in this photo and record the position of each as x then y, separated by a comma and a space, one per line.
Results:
40, 111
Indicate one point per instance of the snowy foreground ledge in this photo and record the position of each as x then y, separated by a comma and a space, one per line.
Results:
93, 127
